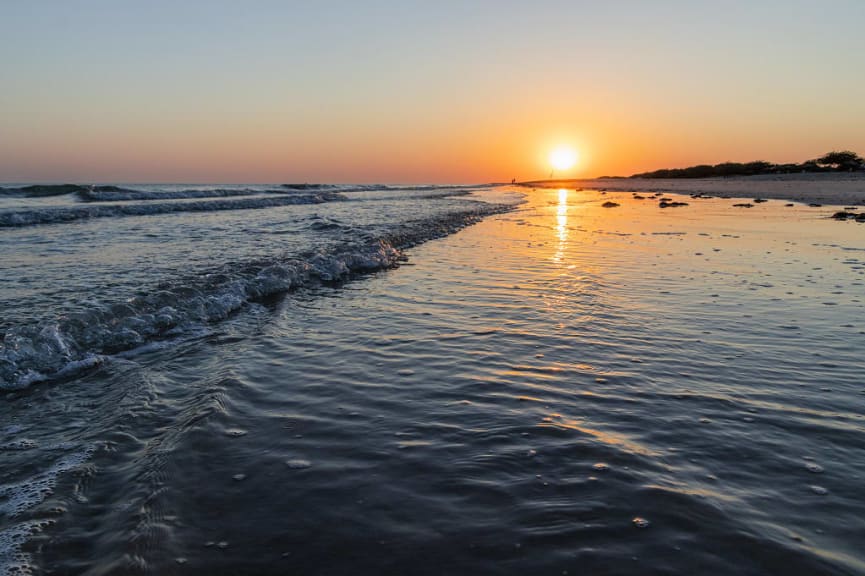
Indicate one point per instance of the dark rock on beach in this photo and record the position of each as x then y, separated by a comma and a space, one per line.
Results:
609, 204
844, 215
670, 204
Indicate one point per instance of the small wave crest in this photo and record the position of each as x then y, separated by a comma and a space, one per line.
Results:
379, 187
33, 216
114, 194
43, 190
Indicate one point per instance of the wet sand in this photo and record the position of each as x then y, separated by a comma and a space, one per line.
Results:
847, 189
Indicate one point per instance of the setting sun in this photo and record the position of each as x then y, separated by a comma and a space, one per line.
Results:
563, 158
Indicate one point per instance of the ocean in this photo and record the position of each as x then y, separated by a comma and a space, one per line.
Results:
335, 379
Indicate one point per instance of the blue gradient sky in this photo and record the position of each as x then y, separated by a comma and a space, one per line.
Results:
446, 91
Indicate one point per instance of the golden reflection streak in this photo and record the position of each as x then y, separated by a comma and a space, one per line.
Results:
561, 225
609, 438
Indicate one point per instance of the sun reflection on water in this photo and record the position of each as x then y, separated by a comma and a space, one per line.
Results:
561, 225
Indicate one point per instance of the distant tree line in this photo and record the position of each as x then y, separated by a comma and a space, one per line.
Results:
844, 161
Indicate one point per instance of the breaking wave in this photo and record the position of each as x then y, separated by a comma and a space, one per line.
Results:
60, 347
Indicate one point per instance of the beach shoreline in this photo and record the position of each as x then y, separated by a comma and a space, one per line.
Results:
837, 189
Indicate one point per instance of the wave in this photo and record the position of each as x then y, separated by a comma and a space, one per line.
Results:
32, 216
308, 186
114, 194
59, 189
44, 190
60, 347
376, 187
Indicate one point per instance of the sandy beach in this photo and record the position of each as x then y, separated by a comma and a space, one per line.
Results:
837, 189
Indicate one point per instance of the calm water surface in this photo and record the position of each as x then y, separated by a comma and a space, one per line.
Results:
561, 389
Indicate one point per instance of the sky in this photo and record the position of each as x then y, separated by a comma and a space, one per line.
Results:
420, 91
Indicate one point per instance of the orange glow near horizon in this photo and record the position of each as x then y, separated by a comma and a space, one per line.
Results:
337, 101
303, 151
268, 146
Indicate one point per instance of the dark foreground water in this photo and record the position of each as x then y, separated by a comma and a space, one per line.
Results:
561, 389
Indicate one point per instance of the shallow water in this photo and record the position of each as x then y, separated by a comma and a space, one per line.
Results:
564, 388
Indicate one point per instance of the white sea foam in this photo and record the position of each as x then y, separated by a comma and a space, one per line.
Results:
17, 498
14, 562
21, 496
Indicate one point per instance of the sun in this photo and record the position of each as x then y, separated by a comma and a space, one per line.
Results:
563, 158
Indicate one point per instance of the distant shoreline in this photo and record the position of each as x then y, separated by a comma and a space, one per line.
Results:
835, 161
833, 188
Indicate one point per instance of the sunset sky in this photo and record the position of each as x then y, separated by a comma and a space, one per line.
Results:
401, 91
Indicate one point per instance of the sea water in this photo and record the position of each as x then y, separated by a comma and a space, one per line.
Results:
320, 386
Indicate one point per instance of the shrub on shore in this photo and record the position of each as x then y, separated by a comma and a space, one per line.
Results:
843, 161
